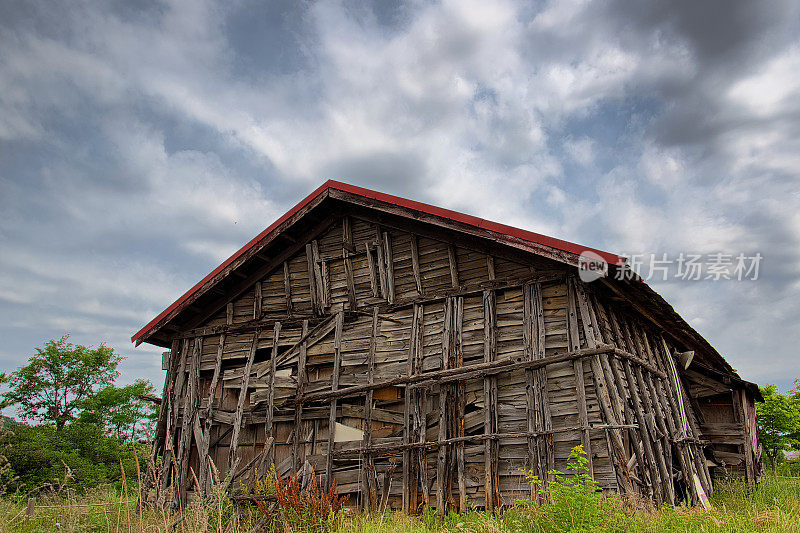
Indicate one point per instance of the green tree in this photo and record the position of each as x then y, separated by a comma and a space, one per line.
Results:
55, 384
778, 421
122, 411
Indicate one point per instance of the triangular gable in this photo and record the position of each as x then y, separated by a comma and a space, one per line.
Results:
557, 249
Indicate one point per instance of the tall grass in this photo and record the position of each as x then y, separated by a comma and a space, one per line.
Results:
773, 507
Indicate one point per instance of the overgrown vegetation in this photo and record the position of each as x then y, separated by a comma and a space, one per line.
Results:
311, 510
773, 507
79, 457
86, 426
779, 421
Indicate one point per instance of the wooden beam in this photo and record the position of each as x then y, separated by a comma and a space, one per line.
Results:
348, 248
475, 371
458, 355
205, 466
442, 466
257, 301
269, 430
491, 480
287, 288
237, 424
453, 262
298, 420
388, 254
415, 264
337, 365
368, 474
573, 340
373, 275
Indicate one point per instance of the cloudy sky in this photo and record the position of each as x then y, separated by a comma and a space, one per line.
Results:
140, 145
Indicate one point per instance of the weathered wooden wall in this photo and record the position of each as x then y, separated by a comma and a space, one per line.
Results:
416, 370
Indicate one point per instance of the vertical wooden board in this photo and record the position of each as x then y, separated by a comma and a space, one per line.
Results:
491, 480
298, 277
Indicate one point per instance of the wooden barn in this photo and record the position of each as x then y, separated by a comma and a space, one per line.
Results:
423, 357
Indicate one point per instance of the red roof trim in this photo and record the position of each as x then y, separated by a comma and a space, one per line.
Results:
530, 236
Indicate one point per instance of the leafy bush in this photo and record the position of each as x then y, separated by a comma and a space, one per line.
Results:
77, 457
573, 502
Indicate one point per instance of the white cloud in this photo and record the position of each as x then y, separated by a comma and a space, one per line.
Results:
176, 151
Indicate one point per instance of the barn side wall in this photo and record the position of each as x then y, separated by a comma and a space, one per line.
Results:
415, 370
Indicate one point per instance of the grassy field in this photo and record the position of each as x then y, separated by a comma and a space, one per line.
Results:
775, 506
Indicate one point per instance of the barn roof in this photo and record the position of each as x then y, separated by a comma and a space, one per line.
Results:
224, 279
558, 249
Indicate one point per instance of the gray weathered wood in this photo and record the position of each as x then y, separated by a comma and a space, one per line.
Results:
269, 430
337, 365
237, 423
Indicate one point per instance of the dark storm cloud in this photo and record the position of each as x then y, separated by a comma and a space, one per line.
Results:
141, 143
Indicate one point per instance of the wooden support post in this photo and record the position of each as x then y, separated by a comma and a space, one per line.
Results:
453, 262
574, 343
544, 420
531, 405
348, 248
229, 313
287, 288
740, 400
410, 420
189, 414
257, 301
443, 465
490, 267
388, 255
205, 466
381, 251
373, 274
369, 484
456, 347
237, 422
269, 430
415, 264
538, 414
337, 365
169, 408
419, 414
297, 460
312, 280
491, 478
320, 277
